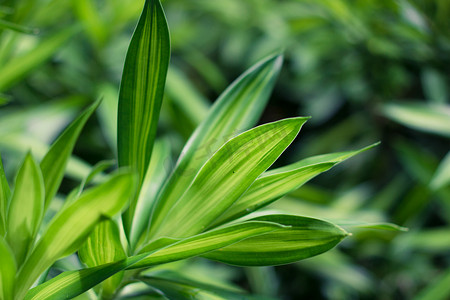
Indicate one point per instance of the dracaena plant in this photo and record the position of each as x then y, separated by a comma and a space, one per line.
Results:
204, 207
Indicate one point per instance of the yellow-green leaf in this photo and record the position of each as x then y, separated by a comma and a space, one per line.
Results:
26, 209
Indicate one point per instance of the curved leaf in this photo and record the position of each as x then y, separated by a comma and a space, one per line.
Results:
302, 238
237, 109
274, 184
70, 284
228, 174
71, 226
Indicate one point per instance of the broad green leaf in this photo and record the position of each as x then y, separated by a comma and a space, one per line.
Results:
227, 175
54, 162
439, 289
4, 199
425, 117
73, 283
71, 226
301, 238
276, 183
156, 173
103, 246
237, 109
26, 209
8, 270
141, 93
19, 67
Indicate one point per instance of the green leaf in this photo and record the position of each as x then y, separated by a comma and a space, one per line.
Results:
425, 117
71, 226
7, 271
19, 67
104, 246
26, 209
156, 173
204, 242
17, 27
441, 177
227, 175
379, 226
54, 162
188, 289
4, 199
439, 289
141, 93
237, 109
276, 183
73, 283
302, 238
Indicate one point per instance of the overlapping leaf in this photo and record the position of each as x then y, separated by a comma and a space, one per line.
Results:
228, 174
237, 109
276, 183
71, 226
8, 270
4, 199
302, 238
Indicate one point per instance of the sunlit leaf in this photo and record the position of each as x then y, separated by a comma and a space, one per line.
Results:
236, 110
228, 174
8, 270
69, 284
26, 209
103, 246
71, 226
301, 238
141, 93
276, 183
54, 162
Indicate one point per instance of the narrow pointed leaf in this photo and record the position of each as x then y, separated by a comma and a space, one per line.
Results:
70, 284
205, 242
274, 184
141, 93
441, 177
18, 68
7, 271
26, 209
4, 199
421, 116
227, 175
71, 226
303, 238
54, 162
237, 109
103, 246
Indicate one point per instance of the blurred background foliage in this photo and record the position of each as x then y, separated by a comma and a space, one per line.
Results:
365, 70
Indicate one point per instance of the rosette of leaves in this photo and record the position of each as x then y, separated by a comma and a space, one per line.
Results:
204, 207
